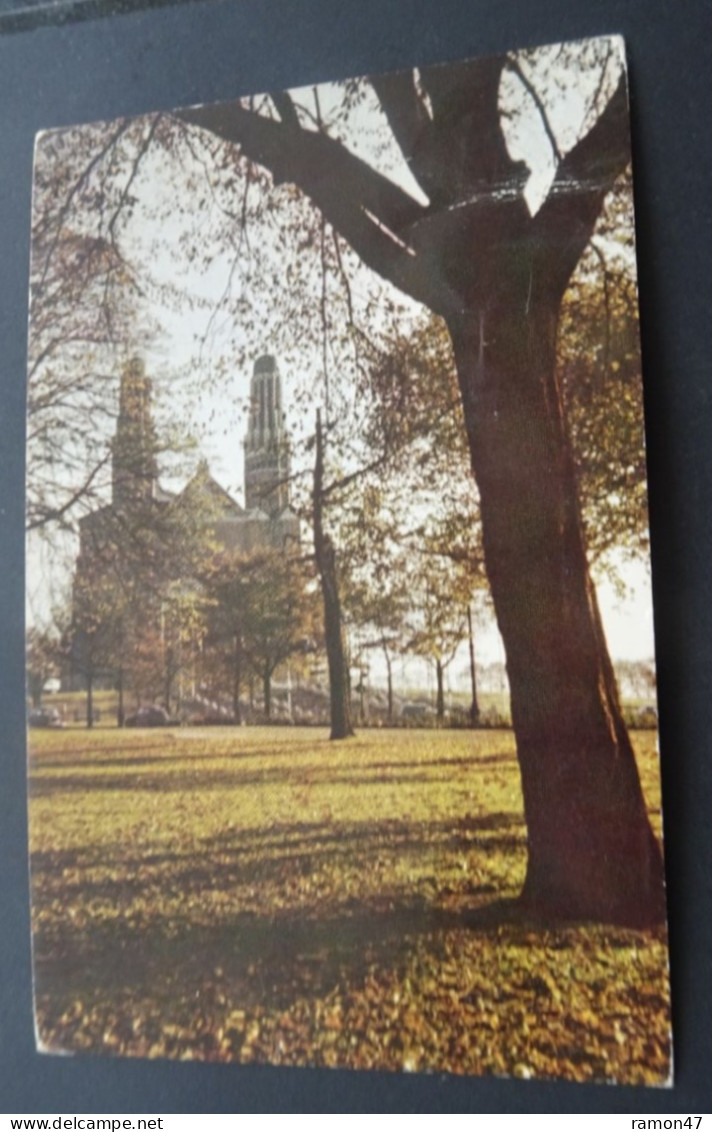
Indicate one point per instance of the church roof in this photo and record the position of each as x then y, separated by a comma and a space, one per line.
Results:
202, 487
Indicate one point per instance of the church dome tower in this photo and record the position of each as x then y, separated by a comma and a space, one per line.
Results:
266, 443
133, 457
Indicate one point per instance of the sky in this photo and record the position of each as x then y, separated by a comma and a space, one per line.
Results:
205, 289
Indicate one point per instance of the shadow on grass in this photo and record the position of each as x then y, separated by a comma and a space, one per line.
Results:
268, 960
304, 943
135, 759
268, 856
138, 776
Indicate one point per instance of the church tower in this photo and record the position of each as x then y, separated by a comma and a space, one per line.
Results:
133, 456
266, 443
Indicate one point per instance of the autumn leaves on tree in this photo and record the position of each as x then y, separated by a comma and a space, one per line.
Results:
475, 255
477, 347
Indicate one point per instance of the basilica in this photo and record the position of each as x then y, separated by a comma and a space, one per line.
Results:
265, 520
109, 535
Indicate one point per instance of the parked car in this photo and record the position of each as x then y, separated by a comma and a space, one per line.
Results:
150, 715
80, 715
45, 717
417, 714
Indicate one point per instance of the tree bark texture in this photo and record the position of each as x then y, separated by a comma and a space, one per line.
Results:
592, 853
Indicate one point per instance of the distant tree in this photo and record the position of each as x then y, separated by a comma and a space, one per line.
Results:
376, 605
438, 619
228, 579
42, 655
599, 366
422, 519
637, 678
183, 629
138, 557
277, 614
95, 638
81, 314
89, 313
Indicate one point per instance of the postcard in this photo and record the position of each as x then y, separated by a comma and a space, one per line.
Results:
341, 679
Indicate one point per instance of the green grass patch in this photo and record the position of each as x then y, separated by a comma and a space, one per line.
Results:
263, 894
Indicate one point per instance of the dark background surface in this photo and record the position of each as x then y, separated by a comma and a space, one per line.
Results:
65, 63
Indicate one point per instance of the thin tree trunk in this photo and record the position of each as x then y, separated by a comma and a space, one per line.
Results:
362, 696
120, 705
267, 693
592, 853
90, 698
236, 677
474, 706
325, 555
440, 695
389, 672
168, 688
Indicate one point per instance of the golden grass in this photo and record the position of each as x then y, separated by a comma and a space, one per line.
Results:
262, 894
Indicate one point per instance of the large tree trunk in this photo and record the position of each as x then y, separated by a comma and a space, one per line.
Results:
325, 555
592, 853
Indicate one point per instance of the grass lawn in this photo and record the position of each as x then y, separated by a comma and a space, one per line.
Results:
264, 895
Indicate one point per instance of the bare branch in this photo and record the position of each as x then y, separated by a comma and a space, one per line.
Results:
145, 144
56, 514
79, 184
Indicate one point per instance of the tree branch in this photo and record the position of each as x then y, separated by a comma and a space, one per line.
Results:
583, 179
79, 184
409, 121
55, 514
514, 66
143, 148
286, 109
372, 213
